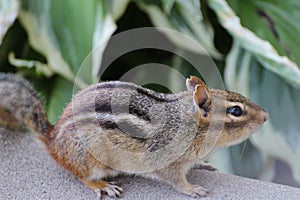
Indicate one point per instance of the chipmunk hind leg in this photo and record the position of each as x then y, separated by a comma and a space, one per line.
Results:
96, 182
102, 187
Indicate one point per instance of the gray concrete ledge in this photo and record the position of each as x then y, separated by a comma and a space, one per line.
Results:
27, 172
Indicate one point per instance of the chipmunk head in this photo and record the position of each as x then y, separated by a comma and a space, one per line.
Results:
237, 115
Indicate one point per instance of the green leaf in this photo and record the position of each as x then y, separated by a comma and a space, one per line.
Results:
266, 74
279, 138
263, 50
276, 22
67, 32
107, 13
8, 14
35, 17
73, 23
40, 67
61, 93
72, 36
167, 5
185, 17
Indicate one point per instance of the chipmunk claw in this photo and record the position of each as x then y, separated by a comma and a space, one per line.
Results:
199, 192
99, 194
112, 189
195, 191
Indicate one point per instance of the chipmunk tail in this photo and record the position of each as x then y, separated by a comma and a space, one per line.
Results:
20, 106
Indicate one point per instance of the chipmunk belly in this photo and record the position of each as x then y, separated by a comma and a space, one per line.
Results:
100, 172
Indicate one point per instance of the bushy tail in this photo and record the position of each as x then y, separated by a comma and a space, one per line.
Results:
20, 106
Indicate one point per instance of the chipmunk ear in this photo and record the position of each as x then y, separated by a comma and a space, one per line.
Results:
201, 96
192, 82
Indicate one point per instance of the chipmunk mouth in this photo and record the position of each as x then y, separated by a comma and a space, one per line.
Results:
256, 125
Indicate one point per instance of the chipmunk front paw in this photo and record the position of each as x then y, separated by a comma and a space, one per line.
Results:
196, 191
199, 191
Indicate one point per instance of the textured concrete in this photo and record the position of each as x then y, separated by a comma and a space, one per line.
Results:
26, 172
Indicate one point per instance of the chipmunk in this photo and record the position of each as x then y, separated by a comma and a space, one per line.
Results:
113, 128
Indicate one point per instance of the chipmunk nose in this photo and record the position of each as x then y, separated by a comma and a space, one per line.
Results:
265, 115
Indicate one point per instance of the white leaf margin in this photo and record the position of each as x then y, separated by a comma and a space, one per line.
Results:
8, 13
271, 60
267, 55
239, 80
200, 31
103, 31
42, 38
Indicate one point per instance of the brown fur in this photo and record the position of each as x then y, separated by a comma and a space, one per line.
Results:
116, 127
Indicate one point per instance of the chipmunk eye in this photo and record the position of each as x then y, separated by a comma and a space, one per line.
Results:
235, 111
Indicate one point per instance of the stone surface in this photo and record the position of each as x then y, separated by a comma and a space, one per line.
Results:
27, 172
